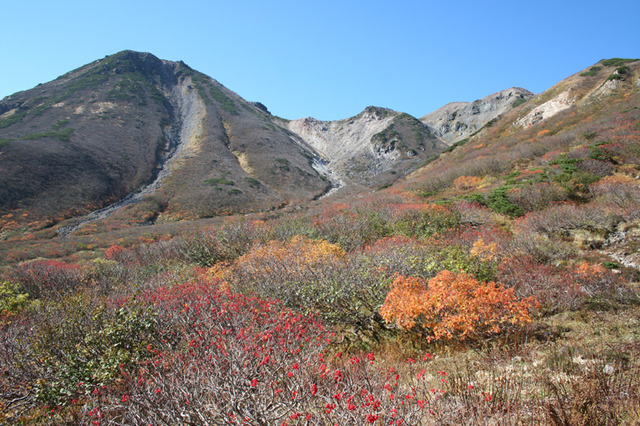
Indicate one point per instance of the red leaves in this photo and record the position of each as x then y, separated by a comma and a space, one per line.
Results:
112, 252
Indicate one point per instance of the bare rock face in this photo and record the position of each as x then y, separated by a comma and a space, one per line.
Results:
459, 120
546, 110
373, 148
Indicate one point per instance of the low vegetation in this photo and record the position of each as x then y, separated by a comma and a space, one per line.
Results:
391, 312
499, 285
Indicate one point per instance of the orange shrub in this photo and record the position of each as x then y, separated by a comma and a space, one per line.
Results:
484, 251
454, 306
405, 301
467, 182
295, 255
270, 265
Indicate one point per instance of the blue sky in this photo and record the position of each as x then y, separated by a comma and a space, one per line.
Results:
328, 59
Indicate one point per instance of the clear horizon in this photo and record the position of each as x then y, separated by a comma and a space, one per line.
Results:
328, 60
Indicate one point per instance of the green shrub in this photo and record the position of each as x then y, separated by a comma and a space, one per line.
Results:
498, 201
611, 265
455, 145
12, 298
425, 222
63, 135
76, 344
519, 102
429, 160
592, 71
619, 73
491, 122
219, 181
12, 119
224, 101
475, 197
616, 62
252, 181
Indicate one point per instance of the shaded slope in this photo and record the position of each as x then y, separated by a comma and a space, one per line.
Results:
91, 136
106, 130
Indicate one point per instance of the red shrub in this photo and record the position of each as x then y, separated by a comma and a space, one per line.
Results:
230, 359
48, 277
112, 252
554, 288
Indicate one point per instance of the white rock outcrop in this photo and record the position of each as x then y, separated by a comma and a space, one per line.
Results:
546, 110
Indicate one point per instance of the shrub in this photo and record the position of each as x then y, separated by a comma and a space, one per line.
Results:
536, 196
270, 265
620, 193
219, 181
312, 276
518, 102
71, 345
227, 243
473, 213
48, 278
592, 71
423, 220
238, 359
112, 252
498, 201
561, 218
555, 288
12, 299
601, 283
596, 167
467, 182
616, 62
454, 306
541, 247
352, 227
619, 73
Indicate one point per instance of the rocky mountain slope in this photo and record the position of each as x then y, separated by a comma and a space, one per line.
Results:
373, 148
167, 142
153, 140
132, 126
583, 125
459, 120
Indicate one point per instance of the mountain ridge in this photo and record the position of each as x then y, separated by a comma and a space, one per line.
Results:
168, 143
458, 120
117, 120
158, 141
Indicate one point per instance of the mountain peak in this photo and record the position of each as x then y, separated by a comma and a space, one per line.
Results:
459, 120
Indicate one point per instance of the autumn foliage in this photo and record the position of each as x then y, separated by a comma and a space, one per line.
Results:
276, 262
467, 182
454, 306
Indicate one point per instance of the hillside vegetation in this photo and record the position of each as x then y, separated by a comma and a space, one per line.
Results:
497, 284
